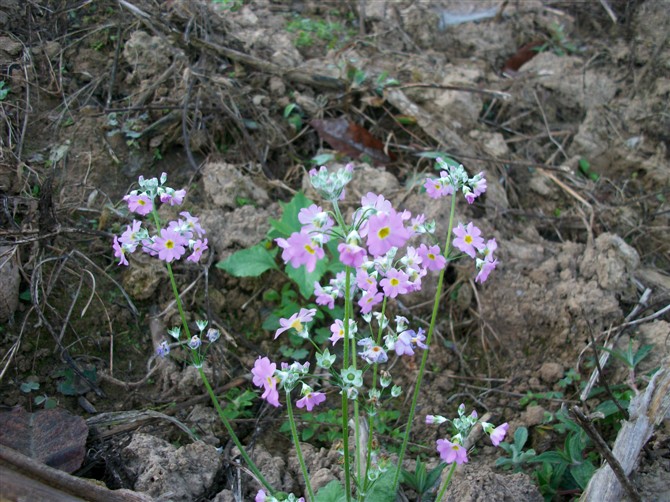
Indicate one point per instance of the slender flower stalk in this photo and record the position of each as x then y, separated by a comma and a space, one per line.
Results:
296, 444
345, 397
446, 483
210, 391
170, 244
424, 357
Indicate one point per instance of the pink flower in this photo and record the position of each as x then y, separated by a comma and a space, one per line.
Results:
119, 252
129, 238
435, 419
296, 321
310, 400
396, 282
386, 230
407, 340
300, 249
198, 248
498, 434
374, 354
451, 452
478, 184
431, 257
315, 219
140, 204
486, 268
173, 197
369, 300
337, 330
324, 296
188, 225
351, 254
263, 372
170, 245
260, 496
491, 246
377, 202
439, 187
468, 239
366, 281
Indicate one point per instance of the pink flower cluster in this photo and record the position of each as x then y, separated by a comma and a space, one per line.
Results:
451, 450
453, 178
267, 377
168, 244
469, 240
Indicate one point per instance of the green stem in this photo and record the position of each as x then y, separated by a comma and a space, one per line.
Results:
231, 433
447, 482
345, 398
375, 370
424, 357
178, 299
298, 450
210, 391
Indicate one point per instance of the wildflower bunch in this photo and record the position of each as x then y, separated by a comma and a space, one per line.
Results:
169, 243
386, 253
452, 448
197, 345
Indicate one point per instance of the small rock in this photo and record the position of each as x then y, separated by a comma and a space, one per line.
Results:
534, 415
226, 186
185, 473
551, 372
141, 282
534, 383
484, 484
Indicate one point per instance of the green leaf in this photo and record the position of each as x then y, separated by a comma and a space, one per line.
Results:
28, 387
582, 473
289, 222
434, 476
383, 489
332, 492
551, 457
322, 159
642, 353
250, 262
305, 280
520, 437
608, 408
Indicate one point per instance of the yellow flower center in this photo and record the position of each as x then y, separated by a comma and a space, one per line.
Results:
141, 202
309, 249
468, 239
394, 281
169, 244
431, 256
383, 233
297, 325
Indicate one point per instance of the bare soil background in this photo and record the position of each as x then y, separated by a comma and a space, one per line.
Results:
574, 144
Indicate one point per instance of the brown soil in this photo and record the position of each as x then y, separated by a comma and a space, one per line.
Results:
574, 144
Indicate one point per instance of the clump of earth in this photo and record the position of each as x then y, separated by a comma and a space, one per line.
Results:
571, 136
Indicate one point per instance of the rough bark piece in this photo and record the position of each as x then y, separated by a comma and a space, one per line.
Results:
647, 410
26, 479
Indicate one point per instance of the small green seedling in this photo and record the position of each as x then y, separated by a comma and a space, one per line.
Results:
518, 457
422, 481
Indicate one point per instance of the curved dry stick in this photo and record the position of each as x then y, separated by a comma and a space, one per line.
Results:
34, 281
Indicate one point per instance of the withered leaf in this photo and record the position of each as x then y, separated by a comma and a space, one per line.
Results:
351, 139
522, 56
54, 437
